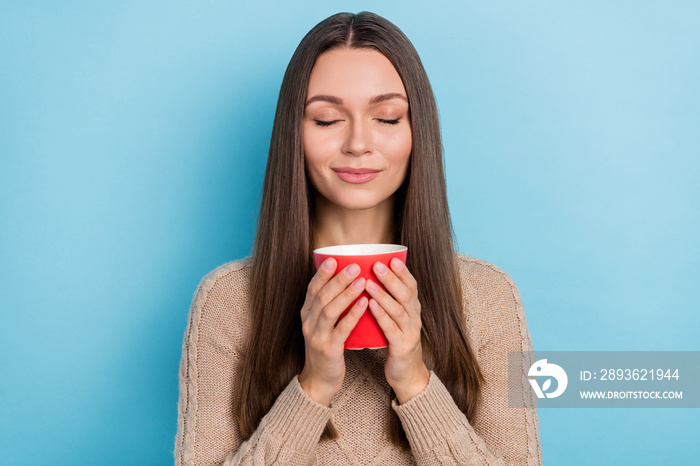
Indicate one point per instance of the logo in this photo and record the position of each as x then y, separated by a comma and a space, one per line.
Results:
542, 368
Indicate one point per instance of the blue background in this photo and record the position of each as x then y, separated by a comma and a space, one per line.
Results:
133, 140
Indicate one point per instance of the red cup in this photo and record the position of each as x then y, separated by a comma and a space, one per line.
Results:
367, 333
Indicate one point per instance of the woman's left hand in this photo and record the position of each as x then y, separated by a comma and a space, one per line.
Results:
398, 315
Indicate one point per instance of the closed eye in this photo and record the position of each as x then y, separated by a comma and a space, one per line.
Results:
325, 123
389, 122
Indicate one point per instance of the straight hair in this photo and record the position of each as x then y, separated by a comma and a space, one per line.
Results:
282, 262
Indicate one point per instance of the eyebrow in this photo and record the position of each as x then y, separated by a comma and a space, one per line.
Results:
382, 97
374, 100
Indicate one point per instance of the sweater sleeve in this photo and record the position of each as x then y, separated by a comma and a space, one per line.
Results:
288, 434
438, 432
208, 433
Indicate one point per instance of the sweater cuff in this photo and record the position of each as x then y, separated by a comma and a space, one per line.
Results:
430, 418
296, 419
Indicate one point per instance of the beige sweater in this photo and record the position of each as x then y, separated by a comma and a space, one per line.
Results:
437, 430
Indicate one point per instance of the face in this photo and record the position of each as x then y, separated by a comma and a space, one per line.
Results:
356, 128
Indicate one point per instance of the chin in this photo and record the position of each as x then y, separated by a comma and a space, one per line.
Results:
360, 203
361, 207
352, 199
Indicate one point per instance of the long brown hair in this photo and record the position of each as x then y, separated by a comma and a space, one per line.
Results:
282, 256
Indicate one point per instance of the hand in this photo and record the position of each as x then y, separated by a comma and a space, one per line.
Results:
326, 299
398, 315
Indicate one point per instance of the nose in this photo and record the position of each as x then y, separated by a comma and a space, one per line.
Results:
359, 139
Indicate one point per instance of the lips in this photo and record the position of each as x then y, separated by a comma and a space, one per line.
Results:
355, 171
356, 175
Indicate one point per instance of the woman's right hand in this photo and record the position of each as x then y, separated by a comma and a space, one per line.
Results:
326, 298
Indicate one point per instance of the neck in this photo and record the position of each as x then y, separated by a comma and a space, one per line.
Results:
335, 225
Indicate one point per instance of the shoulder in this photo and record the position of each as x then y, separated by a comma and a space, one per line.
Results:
486, 277
220, 307
232, 275
491, 300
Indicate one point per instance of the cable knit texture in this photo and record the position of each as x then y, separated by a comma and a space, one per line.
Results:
438, 431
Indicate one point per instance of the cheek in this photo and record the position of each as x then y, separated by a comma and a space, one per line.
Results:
318, 145
311, 147
315, 158
399, 147
307, 143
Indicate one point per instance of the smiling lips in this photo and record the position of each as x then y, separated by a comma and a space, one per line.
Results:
356, 175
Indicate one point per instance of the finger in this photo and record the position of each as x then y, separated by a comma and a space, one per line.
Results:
337, 284
402, 272
328, 318
400, 284
394, 309
386, 323
349, 321
320, 278
332, 289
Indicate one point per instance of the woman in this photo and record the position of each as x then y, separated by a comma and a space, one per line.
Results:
355, 157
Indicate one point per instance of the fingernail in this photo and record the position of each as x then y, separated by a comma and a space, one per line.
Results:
353, 270
359, 284
396, 264
362, 302
372, 286
329, 264
381, 268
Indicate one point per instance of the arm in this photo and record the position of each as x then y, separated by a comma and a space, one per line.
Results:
207, 428
438, 431
289, 432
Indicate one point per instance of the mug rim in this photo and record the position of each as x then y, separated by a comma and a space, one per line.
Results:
371, 249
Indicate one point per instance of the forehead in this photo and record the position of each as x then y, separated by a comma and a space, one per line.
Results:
354, 73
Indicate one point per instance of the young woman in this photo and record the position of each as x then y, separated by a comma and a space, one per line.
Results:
355, 157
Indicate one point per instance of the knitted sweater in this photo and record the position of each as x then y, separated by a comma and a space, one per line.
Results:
437, 430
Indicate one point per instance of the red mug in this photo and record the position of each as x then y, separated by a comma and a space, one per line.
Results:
367, 333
